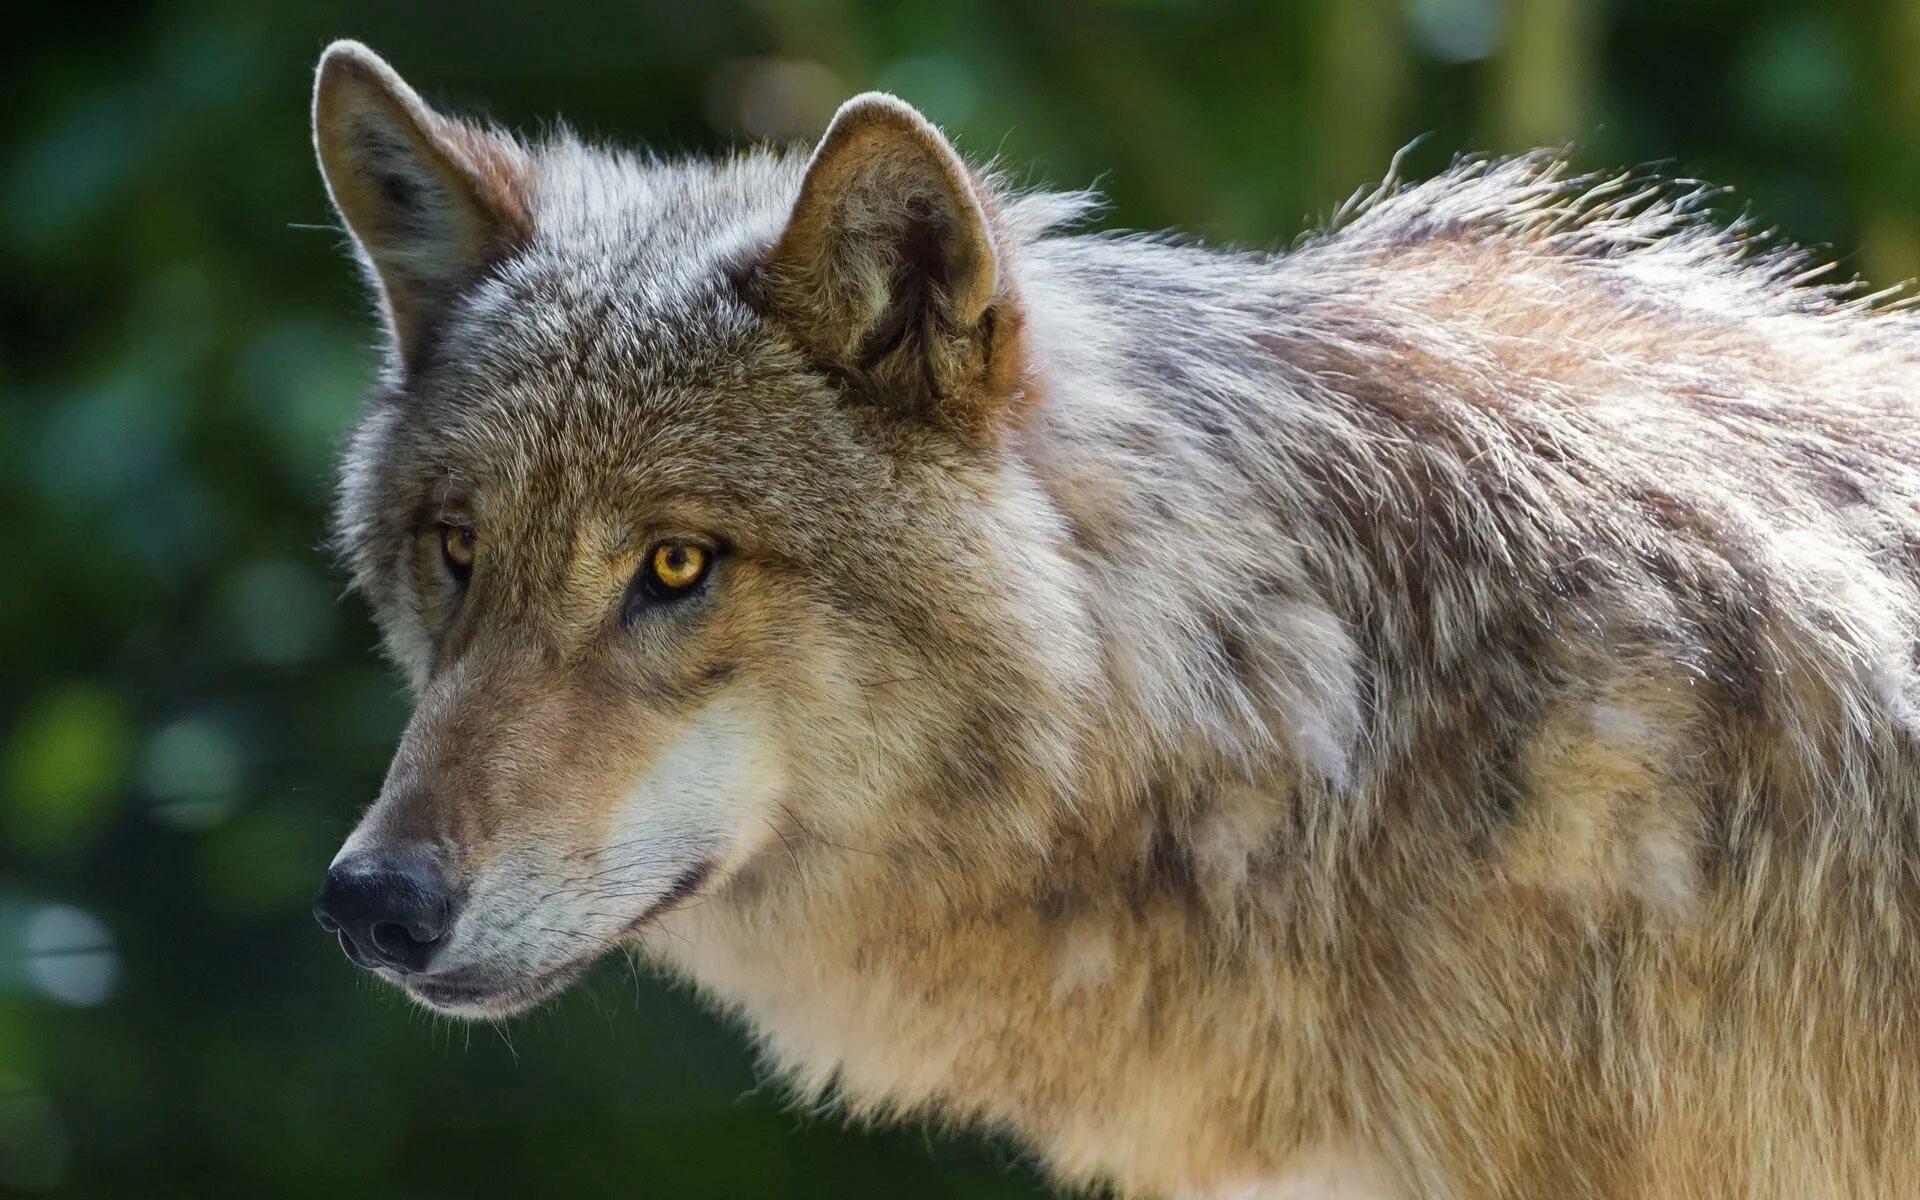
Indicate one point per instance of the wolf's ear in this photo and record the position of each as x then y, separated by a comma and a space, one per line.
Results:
430, 201
888, 268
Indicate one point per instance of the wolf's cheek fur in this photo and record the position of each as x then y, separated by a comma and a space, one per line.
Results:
704, 805
556, 889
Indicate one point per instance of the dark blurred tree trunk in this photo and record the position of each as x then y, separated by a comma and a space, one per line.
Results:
1887, 146
1543, 75
1360, 72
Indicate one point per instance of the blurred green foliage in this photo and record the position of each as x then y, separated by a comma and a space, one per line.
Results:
190, 716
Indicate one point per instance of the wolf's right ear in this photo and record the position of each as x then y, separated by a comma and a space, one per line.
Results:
430, 201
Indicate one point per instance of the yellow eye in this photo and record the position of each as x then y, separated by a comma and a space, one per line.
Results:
677, 566
457, 542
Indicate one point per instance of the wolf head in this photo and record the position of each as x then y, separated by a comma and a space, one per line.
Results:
688, 509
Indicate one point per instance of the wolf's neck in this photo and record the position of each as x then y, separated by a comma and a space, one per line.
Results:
1173, 443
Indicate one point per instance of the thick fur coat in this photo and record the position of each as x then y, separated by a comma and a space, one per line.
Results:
1430, 713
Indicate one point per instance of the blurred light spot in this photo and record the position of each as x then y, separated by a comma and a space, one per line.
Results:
65, 765
116, 433
167, 530
70, 956
192, 771
938, 84
34, 1147
1794, 77
70, 170
110, 446
277, 612
107, 438
1456, 30
779, 99
302, 381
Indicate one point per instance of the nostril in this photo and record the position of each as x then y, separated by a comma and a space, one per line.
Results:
395, 942
354, 953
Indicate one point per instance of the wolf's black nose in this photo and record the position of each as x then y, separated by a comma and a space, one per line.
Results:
390, 908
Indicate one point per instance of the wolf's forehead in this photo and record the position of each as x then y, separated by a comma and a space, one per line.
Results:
635, 316
596, 199
545, 392
618, 343
647, 243
633, 263
633, 400
558, 323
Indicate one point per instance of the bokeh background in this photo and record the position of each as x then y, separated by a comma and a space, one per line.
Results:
191, 713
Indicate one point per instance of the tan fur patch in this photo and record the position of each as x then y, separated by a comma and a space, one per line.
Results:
1609, 813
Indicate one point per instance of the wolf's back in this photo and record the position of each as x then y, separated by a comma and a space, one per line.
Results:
1565, 545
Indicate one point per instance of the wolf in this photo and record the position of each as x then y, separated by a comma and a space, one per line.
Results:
1429, 713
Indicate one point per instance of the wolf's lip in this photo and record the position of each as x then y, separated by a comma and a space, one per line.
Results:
472, 988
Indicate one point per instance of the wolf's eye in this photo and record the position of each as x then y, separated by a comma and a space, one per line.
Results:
457, 544
676, 566
673, 570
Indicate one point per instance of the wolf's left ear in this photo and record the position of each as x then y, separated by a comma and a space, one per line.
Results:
889, 268
430, 201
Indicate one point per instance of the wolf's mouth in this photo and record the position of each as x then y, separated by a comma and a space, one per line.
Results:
479, 992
